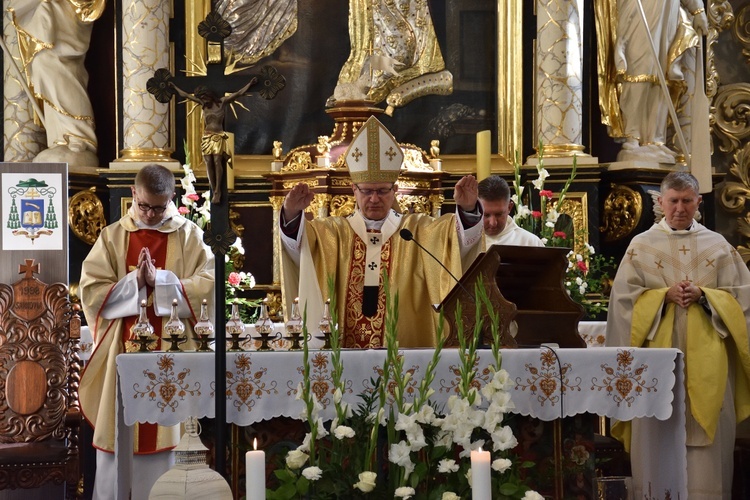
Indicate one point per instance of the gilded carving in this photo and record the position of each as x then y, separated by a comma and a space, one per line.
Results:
299, 160
341, 205
310, 182
735, 191
720, 17
319, 204
622, 212
86, 215
734, 194
276, 202
275, 311
731, 124
336, 182
436, 200
410, 184
414, 204
575, 206
238, 259
413, 158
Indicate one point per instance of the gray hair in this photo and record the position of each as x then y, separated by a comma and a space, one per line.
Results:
679, 181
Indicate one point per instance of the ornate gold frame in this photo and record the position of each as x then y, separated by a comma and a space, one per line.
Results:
509, 107
576, 205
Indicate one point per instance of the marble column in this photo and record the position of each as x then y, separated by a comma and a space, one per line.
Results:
559, 71
22, 138
145, 48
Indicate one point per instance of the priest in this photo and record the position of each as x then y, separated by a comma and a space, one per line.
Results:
358, 250
682, 285
154, 254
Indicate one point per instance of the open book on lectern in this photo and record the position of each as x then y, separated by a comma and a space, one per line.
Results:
525, 286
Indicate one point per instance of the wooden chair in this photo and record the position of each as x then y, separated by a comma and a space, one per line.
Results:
39, 377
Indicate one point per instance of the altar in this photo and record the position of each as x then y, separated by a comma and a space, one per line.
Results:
548, 384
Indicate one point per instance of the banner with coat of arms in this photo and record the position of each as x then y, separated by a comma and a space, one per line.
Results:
31, 206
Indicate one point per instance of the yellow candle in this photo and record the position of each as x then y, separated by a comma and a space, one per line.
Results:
255, 473
484, 141
481, 488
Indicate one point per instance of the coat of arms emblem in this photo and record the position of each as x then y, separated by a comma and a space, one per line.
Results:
32, 213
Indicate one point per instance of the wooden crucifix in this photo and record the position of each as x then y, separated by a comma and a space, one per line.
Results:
214, 103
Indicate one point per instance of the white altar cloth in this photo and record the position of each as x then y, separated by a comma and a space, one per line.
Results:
620, 383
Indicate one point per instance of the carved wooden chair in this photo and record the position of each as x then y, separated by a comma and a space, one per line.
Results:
39, 377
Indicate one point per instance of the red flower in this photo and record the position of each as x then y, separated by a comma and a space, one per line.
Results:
183, 210
559, 234
233, 279
546, 193
536, 214
582, 266
194, 197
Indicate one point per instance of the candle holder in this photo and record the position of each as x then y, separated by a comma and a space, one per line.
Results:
235, 329
143, 342
264, 328
203, 329
324, 327
175, 330
142, 333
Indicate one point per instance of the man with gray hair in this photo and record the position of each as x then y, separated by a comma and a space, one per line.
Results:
684, 286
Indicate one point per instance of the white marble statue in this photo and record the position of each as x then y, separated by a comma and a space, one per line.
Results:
53, 40
641, 121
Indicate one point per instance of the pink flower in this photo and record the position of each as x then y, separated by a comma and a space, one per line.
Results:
582, 266
194, 197
559, 234
546, 193
536, 214
234, 279
183, 210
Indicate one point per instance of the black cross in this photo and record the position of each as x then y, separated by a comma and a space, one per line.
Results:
372, 266
374, 240
218, 235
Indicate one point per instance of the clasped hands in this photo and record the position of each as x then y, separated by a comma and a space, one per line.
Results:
146, 269
683, 293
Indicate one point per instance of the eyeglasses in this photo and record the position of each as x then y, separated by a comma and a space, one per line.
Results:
145, 208
369, 192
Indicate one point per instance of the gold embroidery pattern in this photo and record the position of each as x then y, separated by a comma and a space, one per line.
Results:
361, 331
481, 378
249, 386
545, 381
626, 382
166, 387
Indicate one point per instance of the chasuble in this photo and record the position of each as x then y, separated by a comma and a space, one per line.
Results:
356, 259
713, 337
110, 298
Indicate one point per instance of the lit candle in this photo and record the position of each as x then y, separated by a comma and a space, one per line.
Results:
255, 473
483, 154
480, 475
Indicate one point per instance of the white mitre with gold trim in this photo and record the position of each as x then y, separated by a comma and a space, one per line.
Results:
374, 155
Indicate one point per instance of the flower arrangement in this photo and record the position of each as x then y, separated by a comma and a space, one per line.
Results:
423, 452
587, 279
197, 208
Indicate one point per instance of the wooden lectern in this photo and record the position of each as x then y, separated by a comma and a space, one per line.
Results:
525, 286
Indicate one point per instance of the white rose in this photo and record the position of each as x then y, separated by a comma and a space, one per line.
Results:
296, 459
343, 431
501, 464
366, 482
532, 495
404, 492
449, 495
312, 473
447, 465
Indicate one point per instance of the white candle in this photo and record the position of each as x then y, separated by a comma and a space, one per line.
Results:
255, 473
484, 141
480, 475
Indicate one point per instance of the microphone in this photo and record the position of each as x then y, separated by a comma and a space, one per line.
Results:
409, 236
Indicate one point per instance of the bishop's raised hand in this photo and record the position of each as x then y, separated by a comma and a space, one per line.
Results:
466, 193
298, 199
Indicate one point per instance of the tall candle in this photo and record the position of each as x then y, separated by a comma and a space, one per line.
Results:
255, 473
480, 475
484, 141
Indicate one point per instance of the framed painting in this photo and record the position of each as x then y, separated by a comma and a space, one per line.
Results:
481, 44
